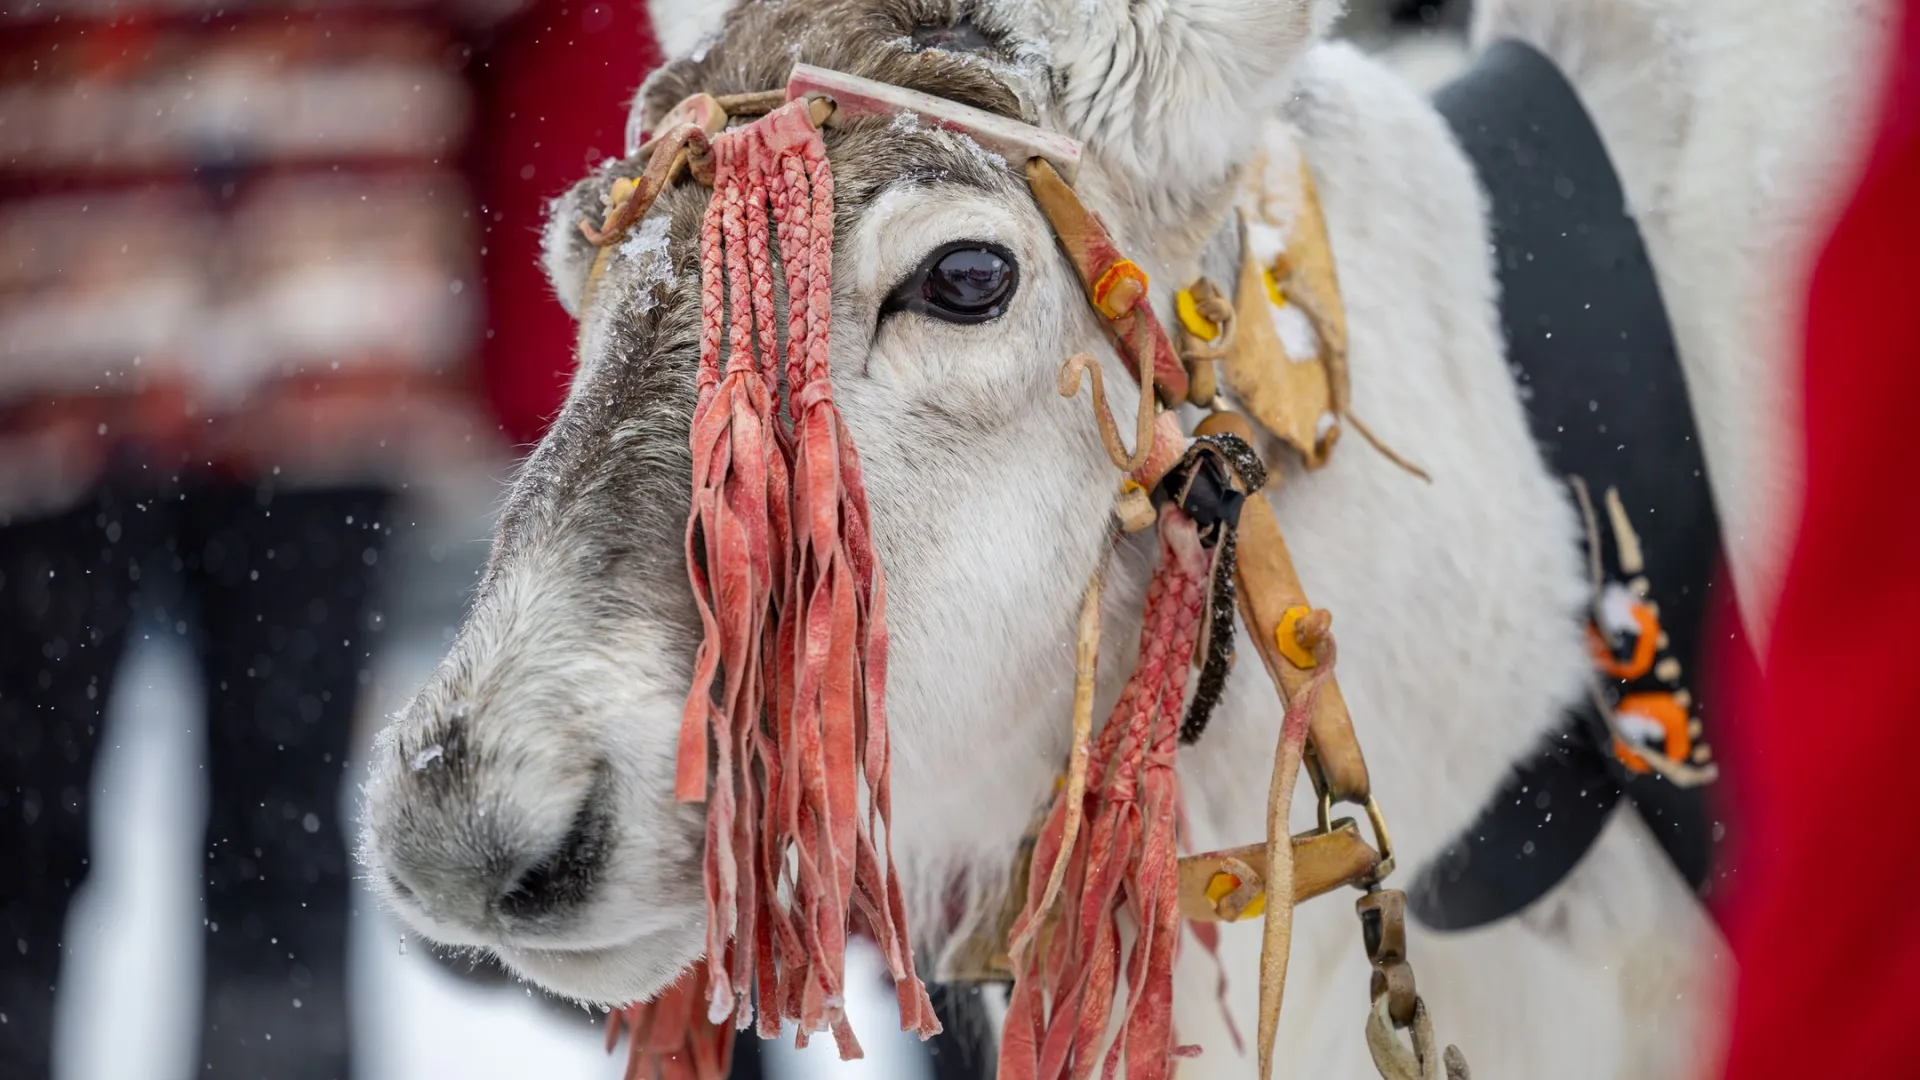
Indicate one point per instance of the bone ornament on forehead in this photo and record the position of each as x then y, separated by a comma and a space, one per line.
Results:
788, 699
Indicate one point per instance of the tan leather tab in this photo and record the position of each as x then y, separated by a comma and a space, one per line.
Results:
1290, 398
1322, 862
1269, 586
1310, 281
1301, 399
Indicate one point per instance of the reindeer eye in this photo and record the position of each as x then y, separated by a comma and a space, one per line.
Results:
965, 282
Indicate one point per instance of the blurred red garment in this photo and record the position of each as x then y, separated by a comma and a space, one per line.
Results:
233, 245
1826, 945
554, 85
240, 239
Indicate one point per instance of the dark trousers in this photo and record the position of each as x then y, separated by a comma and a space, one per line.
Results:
274, 591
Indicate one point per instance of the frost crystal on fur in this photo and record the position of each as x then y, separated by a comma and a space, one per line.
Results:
647, 247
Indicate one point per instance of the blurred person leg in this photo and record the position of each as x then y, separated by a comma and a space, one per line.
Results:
65, 593
285, 583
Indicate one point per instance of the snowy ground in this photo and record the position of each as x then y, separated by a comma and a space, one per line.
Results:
133, 969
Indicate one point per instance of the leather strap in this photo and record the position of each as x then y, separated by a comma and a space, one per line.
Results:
1269, 589
1322, 862
1587, 334
1096, 259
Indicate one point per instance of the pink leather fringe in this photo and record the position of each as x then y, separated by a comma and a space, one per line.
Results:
669, 1039
790, 678
1125, 859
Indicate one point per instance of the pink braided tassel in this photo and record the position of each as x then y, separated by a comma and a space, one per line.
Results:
792, 604
737, 531
1066, 980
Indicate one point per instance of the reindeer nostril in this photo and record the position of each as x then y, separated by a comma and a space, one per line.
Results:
566, 876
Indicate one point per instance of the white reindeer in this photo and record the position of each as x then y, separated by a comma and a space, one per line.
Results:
523, 803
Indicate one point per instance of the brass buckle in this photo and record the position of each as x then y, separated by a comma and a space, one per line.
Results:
1382, 840
1376, 820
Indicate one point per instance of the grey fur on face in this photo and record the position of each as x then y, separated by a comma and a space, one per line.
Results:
583, 625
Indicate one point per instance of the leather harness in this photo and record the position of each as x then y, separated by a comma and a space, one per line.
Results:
1589, 340
1589, 337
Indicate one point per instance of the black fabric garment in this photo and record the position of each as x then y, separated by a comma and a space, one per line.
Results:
1599, 373
965, 1049
65, 599
274, 591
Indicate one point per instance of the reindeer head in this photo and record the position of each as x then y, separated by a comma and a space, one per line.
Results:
523, 803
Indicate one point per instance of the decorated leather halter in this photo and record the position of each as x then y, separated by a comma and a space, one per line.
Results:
786, 717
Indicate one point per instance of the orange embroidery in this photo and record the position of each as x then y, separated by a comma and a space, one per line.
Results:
1643, 649
1663, 709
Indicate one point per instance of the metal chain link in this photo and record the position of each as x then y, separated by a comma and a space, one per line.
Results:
1397, 1004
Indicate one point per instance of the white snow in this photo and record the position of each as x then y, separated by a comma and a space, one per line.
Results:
647, 247
1297, 337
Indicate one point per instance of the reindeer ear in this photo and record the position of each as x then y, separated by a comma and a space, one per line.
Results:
681, 25
1172, 91
564, 252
